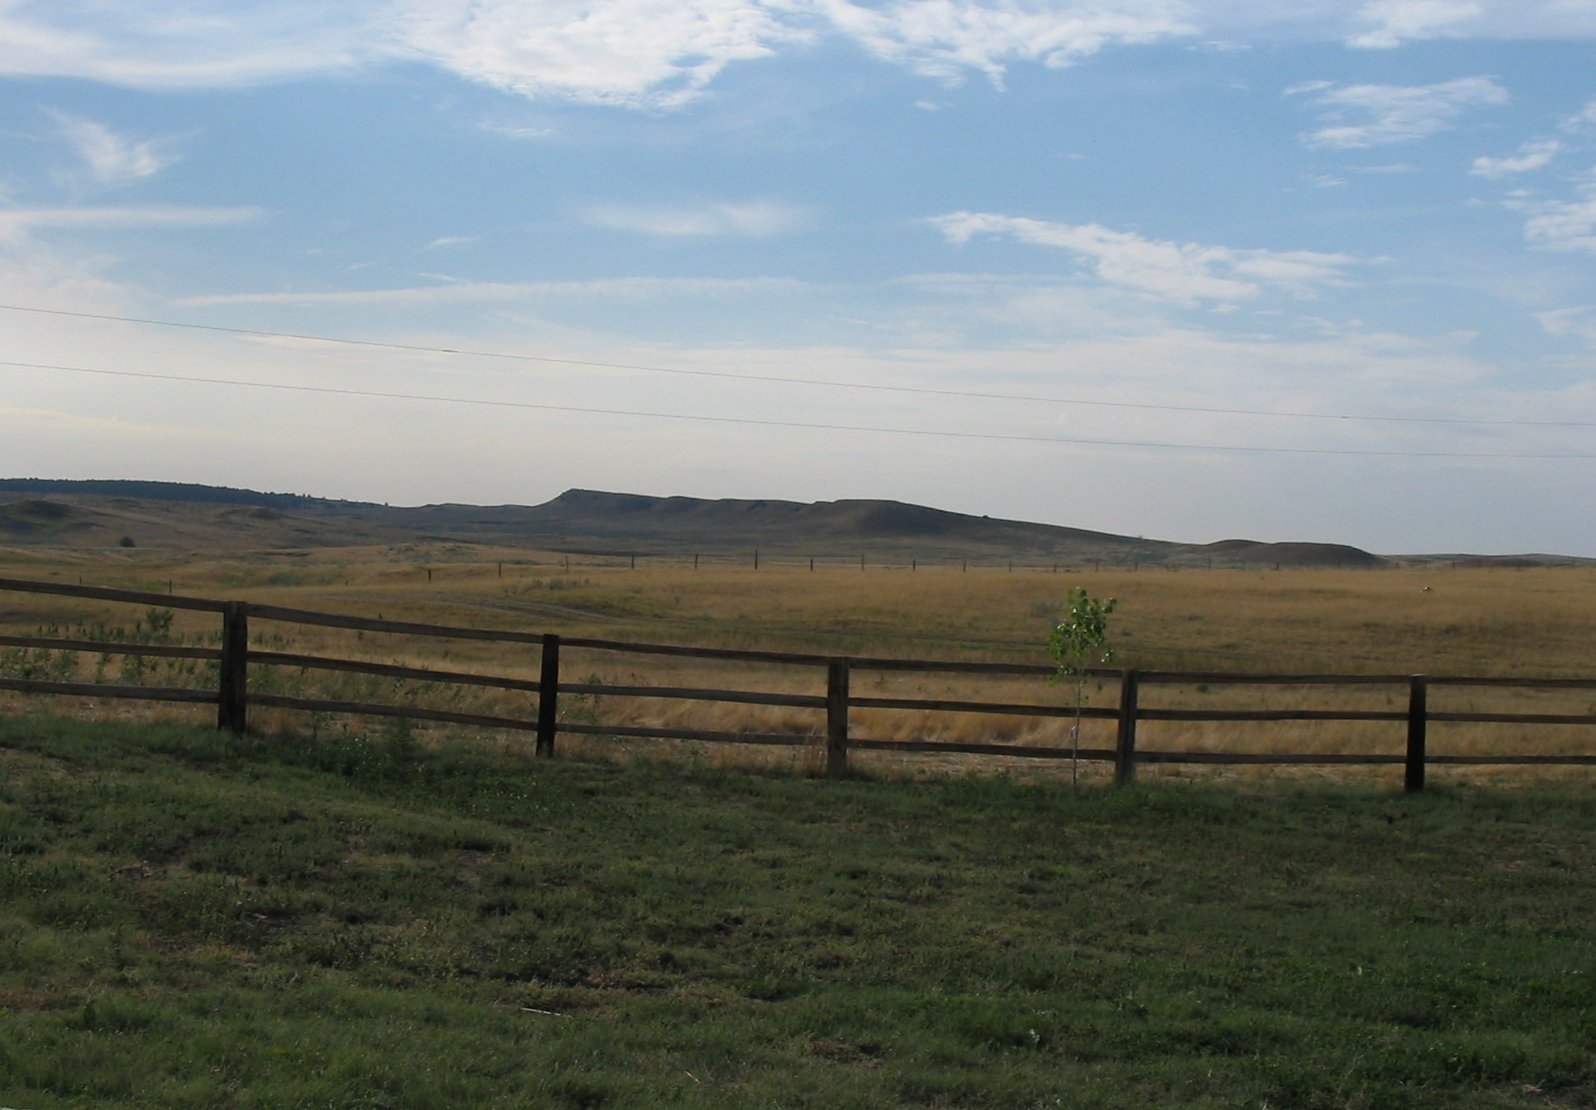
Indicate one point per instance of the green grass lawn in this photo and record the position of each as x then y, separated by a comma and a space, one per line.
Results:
188, 920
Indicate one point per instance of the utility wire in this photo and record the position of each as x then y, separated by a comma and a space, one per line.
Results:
776, 379
757, 422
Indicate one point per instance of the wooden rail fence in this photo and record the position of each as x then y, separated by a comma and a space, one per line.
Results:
233, 697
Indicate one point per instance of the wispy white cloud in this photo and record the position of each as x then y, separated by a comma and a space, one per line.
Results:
468, 292
1562, 225
1579, 322
33, 273
111, 159
960, 311
511, 131
752, 219
1186, 273
1387, 114
1532, 155
639, 53
1385, 24
1393, 22
1581, 120
447, 242
160, 44
663, 53
1307, 87
947, 40
635, 53
16, 223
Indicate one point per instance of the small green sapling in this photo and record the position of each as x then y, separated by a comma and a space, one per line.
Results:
1079, 641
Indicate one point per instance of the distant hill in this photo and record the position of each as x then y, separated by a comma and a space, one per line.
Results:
1252, 552
162, 491
831, 525
170, 515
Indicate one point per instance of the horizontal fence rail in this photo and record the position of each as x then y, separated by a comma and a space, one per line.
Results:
233, 698
108, 690
390, 670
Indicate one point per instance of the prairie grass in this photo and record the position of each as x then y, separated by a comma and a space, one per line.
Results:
1436, 620
1477, 621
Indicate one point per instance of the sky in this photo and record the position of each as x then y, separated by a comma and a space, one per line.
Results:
1184, 269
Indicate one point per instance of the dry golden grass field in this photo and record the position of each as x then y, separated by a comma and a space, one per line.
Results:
1500, 621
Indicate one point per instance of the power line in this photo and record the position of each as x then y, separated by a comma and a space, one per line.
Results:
767, 423
777, 379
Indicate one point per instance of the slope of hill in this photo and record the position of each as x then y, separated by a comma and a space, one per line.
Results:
180, 516
830, 526
164, 491
1253, 553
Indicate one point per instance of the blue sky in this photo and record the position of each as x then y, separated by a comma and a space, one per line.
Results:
1175, 268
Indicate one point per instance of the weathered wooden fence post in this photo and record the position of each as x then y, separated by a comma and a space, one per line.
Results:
1418, 722
1125, 747
232, 694
837, 718
548, 695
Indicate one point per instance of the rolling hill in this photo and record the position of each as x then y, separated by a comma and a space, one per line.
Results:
50, 512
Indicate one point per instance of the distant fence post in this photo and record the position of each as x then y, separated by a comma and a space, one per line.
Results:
232, 695
1418, 722
548, 694
1125, 747
837, 718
